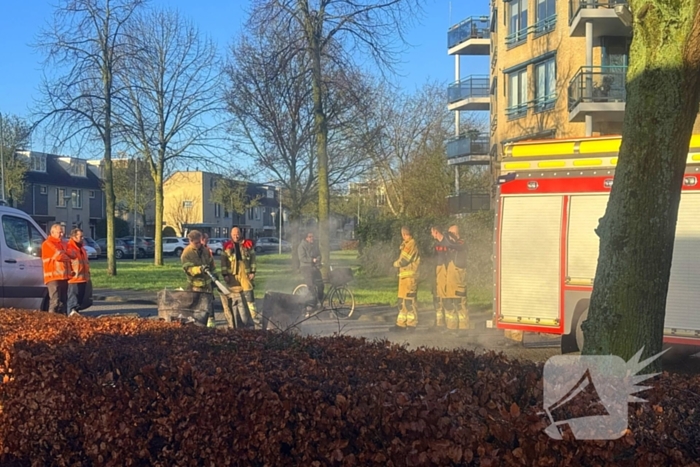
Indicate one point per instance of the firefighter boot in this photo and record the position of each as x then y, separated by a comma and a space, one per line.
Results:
411, 313
451, 319
403, 314
440, 313
250, 301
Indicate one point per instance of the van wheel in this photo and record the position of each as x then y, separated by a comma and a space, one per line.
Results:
579, 329
178, 251
119, 254
568, 341
219, 252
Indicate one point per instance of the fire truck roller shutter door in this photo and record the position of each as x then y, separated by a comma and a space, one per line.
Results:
585, 212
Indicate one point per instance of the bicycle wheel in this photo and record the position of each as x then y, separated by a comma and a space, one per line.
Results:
302, 290
342, 302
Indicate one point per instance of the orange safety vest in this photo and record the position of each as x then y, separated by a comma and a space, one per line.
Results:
56, 260
80, 264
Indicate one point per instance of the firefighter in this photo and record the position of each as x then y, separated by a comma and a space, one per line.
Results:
57, 269
238, 269
408, 263
80, 267
457, 272
441, 256
196, 259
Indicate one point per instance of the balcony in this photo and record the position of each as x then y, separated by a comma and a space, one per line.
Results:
604, 14
471, 148
465, 203
471, 93
470, 37
598, 91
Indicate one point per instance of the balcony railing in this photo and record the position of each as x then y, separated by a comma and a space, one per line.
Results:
471, 86
466, 145
543, 26
598, 84
464, 203
577, 5
475, 27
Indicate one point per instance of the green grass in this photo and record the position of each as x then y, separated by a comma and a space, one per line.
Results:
274, 274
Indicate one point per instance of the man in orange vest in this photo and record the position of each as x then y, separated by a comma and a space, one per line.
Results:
57, 269
80, 268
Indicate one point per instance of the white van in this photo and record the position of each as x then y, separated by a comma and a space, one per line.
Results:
21, 268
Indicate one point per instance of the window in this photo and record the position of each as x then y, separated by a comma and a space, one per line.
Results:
78, 168
270, 194
517, 18
226, 214
216, 231
545, 85
546, 16
187, 204
77, 198
256, 211
60, 197
38, 162
517, 93
43, 190
217, 210
250, 213
92, 194
224, 231
22, 236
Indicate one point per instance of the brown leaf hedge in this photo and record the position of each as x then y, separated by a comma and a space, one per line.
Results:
134, 392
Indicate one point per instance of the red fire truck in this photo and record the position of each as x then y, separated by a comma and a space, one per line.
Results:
552, 194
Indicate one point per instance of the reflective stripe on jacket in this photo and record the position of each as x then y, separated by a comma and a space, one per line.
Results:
56, 260
80, 264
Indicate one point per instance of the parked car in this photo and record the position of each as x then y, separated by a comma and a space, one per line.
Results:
146, 246
174, 245
92, 243
91, 252
121, 249
217, 245
271, 245
21, 267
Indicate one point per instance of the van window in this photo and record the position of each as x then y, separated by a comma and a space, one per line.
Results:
21, 235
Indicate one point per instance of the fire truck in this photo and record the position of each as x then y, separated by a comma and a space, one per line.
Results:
551, 196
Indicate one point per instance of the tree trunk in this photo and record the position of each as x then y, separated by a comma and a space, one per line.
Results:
321, 122
628, 304
158, 234
110, 200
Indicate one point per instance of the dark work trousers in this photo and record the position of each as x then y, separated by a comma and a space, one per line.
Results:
76, 294
58, 296
314, 281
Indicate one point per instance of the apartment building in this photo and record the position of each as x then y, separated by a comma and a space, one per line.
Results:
62, 189
188, 205
557, 70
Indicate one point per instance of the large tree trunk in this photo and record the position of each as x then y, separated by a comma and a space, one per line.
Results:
158, 258
628, 304
321, 122
109, 187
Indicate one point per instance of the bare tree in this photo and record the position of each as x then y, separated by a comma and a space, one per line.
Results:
172, 80
14, 135
233, 195
407, 147
88, 44
273, 121
182, 210
133, 186
637, 232
333, 32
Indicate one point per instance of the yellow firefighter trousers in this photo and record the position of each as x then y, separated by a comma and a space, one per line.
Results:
440, 294
408, 292
241, 279
451, 289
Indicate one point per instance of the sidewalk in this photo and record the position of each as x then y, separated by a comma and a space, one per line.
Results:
141, 297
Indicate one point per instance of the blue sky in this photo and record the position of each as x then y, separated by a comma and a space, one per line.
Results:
21, 21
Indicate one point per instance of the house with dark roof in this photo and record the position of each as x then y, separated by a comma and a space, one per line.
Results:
188, 205
62, 189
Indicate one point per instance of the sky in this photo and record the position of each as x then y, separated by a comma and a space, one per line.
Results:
427, 59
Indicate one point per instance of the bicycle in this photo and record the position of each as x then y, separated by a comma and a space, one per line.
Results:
339, 297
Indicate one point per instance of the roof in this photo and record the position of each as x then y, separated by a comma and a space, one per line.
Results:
57, 176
